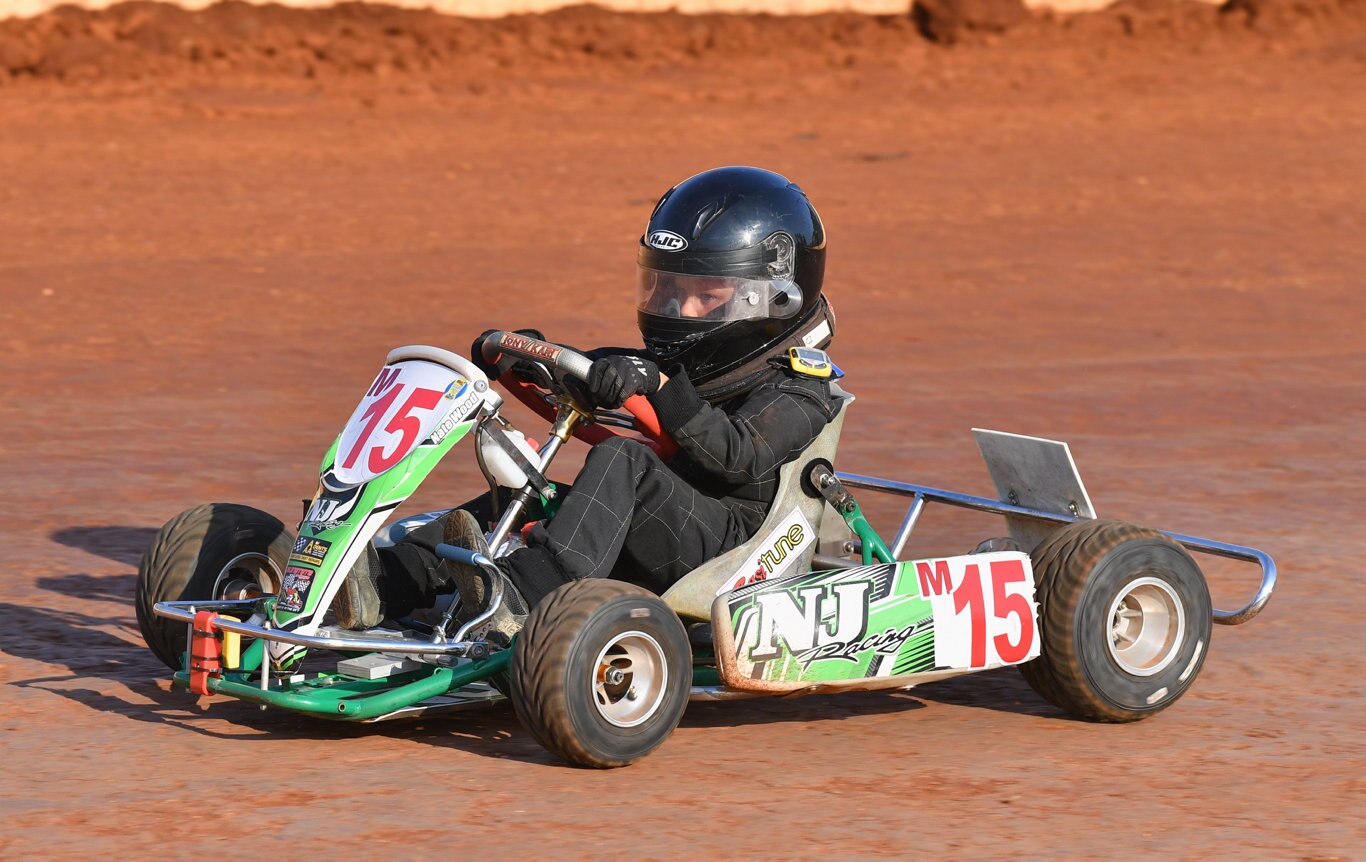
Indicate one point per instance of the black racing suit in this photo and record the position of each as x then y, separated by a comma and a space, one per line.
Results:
632, 516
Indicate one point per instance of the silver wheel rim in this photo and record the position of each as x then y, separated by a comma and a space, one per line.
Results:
258, 563
1147, 625
630, 678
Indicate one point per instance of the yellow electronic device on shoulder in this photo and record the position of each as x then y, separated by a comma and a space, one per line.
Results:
810, 361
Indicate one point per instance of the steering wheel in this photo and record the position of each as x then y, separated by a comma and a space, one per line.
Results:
563, 362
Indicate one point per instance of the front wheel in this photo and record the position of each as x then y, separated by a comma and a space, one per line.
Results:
205, 553
1124, 621
601, 673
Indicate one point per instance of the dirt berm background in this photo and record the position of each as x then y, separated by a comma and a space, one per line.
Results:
141, 40
1138, 230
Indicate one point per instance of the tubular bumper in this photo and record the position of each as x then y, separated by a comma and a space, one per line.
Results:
357, 700
921, 494
185, 611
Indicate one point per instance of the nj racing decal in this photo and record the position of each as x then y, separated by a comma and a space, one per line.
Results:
330, 508
826, 621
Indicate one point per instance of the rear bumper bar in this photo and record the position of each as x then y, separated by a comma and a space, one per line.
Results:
921, 494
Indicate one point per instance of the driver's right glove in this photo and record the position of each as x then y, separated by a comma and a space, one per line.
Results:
495, 369
613, 379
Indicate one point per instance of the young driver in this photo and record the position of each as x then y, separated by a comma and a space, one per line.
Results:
729, 278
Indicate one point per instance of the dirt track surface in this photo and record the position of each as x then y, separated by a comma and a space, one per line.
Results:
1148, 248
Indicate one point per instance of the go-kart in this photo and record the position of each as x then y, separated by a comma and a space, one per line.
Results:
1106, 620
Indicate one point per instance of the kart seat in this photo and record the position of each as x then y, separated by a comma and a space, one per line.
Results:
692, 596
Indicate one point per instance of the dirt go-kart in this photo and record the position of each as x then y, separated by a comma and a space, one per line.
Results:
1107, 620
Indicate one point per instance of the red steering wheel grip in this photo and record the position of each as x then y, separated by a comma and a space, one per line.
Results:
647, 423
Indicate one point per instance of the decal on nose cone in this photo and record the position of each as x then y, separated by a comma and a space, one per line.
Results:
666, 240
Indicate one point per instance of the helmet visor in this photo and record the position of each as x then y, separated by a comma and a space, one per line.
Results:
717, 298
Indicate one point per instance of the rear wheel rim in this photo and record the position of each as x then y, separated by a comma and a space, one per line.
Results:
1147, 626
630, 679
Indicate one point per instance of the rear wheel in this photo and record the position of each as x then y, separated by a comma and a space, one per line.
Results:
1124, 621
206, 552
601, 673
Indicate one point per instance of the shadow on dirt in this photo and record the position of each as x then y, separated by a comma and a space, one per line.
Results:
821, 707
999, 690
110, 671
106, 588
121, 544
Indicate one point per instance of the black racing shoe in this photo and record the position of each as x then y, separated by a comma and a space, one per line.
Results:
358, 605
510, 616
462, 530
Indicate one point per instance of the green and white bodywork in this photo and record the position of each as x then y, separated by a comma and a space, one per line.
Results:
816, 601
422, 402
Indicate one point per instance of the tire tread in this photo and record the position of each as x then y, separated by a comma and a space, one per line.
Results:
540, 654
1061, 564
171, 563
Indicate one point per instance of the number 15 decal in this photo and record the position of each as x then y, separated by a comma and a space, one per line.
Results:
983, 607
397, 412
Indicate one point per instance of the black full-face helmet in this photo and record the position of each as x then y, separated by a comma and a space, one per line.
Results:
729, 273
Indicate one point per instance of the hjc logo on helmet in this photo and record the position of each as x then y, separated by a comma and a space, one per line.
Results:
666, 240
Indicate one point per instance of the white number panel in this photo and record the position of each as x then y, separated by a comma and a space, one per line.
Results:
984, 609
402, 407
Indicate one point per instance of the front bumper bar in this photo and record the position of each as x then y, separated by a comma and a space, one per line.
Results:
185, 611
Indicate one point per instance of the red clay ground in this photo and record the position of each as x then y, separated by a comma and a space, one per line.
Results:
1152, 248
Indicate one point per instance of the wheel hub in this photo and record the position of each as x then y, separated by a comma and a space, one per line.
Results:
1147, 626
247, 576
630, 679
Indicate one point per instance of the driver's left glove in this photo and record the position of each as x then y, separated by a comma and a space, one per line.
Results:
613, 379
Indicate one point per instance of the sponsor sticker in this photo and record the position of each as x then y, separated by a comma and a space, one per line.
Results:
776, 554
330, 508
847, 624
538, 349
309, 551
457, 388
294, 591
666, 240
458, 414
817, 335
827, 621
317, 527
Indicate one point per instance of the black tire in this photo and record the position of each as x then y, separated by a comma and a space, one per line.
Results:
555, 674
1081, 573
186, 557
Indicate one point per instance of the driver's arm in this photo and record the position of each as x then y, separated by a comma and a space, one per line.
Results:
748, 442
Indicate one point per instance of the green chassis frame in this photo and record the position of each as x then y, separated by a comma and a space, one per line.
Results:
345, 698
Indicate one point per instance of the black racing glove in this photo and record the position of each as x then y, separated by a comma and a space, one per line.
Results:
613, 379
492, 369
